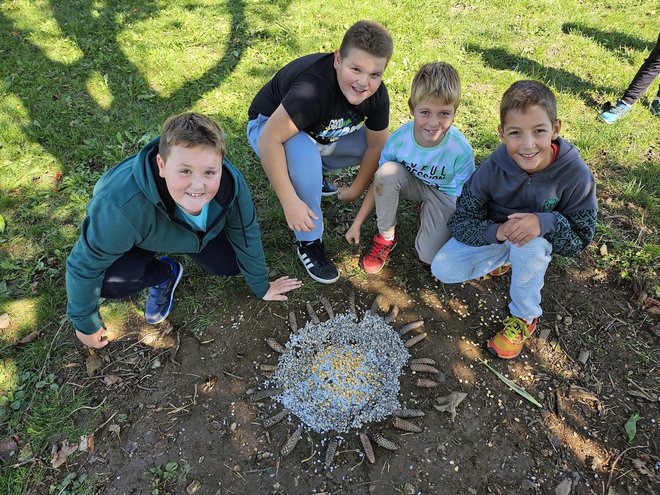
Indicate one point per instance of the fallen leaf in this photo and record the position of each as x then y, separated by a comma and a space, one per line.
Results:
86, 443
61, 455
110, 380
564, 488
31, 337
93, 363
208, 385
641, 468
114, 428
603, 250
4, 321
8, 447
450, 403
25, 453
193, 487
631, 426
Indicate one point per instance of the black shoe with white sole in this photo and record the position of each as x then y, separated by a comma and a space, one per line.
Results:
312, 254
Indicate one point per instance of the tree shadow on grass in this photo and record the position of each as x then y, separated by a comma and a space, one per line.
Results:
559, 79
64, 117
614, 41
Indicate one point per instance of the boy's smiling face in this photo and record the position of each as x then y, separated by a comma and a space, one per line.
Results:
527, 135
431, 121
359, 74
192, 176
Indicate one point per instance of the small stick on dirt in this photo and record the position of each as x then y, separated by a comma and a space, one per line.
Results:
175, 351
232, 375
312, 314
618, 458
235, 472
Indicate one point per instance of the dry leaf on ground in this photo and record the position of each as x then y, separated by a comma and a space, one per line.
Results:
564, 488
4, 321
31, 337
8, 447
61, 455
450, 403
93, 363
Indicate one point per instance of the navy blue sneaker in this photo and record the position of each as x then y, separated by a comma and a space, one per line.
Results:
159, 301
318, 266
328, 189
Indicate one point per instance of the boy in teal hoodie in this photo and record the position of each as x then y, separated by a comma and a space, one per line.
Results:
179, 194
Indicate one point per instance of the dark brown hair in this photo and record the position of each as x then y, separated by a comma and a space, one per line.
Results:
526, 93
370, 37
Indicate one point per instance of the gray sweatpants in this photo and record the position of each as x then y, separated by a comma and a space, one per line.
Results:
393, 180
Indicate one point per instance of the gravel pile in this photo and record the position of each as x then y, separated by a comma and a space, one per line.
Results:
342, 373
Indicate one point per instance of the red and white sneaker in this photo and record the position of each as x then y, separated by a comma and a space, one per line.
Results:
375, 259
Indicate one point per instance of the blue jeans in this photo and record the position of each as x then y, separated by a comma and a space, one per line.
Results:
306, 163
457, 262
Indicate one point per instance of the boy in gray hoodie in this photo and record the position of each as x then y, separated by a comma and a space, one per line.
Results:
532, 197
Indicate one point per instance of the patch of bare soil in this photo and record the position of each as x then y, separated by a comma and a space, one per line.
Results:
186, 400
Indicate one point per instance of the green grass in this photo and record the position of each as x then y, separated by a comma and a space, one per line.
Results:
83, 84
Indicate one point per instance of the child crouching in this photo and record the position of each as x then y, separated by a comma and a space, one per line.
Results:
427, 160
532, 197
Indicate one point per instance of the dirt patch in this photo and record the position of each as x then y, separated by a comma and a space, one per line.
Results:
189, 403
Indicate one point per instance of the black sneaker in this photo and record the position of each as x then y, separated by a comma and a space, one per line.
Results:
312, 254
328, 189
159, 301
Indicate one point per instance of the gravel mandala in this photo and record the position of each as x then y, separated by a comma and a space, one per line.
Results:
343, 375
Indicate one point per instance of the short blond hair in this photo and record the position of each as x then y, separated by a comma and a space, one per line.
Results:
191, 129
436, 81
368, 36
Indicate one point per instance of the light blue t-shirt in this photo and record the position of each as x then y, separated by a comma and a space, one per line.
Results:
445, 167
197, 222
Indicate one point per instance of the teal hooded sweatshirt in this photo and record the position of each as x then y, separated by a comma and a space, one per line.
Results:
131, 207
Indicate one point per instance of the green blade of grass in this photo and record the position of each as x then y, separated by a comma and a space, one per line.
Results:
512, 385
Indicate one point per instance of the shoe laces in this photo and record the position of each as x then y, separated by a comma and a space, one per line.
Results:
619, 108
514, 328
379, 250
316, 252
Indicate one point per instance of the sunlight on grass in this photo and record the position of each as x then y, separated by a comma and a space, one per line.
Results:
22, 313
97, 86
193, 43
36, 17
8, 376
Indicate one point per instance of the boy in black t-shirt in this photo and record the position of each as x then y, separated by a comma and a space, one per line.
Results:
322, 112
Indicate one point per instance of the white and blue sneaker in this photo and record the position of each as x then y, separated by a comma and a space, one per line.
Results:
615, 113
161, 297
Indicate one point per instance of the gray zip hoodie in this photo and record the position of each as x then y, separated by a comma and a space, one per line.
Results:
563, 196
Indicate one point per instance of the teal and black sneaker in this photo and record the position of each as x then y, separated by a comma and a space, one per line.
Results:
328, 189
159, 301
655, 106
615, 113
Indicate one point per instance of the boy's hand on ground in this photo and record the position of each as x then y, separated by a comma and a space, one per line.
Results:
281, 286
352, 235
524, 227
299, 216
94, 340
347, 194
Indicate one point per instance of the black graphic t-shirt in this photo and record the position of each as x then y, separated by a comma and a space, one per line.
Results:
308, 89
